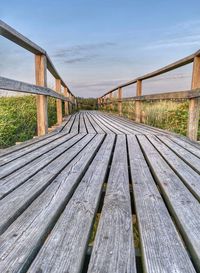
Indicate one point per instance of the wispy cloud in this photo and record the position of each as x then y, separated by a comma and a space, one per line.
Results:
81, 53
183, 34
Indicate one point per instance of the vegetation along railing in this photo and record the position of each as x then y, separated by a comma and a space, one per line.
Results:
193, 95
42, 64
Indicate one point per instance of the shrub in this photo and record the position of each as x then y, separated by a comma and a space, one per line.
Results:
18, 118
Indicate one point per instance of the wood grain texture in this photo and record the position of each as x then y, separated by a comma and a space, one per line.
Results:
186, 173
162, 247
194, 105
22, 240
17, 86
181, 203
14, 204
65, 248
113, 249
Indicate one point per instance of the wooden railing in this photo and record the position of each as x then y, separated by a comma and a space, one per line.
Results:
42, 64
193, 95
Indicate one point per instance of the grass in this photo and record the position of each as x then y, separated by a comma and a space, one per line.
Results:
18, 118
167, 115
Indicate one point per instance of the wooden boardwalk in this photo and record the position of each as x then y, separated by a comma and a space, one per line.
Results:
52, 187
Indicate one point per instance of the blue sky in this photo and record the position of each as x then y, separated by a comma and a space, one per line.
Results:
95, 45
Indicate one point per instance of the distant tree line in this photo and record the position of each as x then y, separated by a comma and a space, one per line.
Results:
87, 103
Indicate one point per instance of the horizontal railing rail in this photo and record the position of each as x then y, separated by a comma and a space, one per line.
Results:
192, 95
18, 86
42, 64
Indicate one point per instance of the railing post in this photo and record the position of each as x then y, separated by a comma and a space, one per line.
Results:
194, 105
41, 80
120, 101
111, 101
66, 94
138, 103
59, 102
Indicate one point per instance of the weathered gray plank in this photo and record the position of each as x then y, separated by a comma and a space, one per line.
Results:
104, 128
21, 161
17, 178
186, 173
107, 125
24, 144
75, 125
82, 127
67, 128
113, 249
65, 248
188, 157
30, 148
162, 247
21, 241
97, 128
14, 203
195, 150
182, 204
89, 125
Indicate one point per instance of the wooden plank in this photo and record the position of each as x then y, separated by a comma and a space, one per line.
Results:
89, 126
102, 126
162, 247
144, 128
185, 155
186, 173
179, 95
21, 241
82, 126
130, 126
17, 86
21, 175
41, 80
24, 144
17, 201
118, 125
194, 106
16, 164
111, 128
113, 249
97, 128
65, 248
5, 159
67, 128
182, 205
75, 125
188, 146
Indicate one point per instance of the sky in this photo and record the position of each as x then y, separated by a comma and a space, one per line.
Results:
97, 45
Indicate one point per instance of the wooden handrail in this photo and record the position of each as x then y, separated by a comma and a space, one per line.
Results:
179, 95
165, 69
18, 86
42, 64
193, 95
19, 39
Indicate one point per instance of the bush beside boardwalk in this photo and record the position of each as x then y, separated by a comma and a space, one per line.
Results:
168, 115
18, 118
